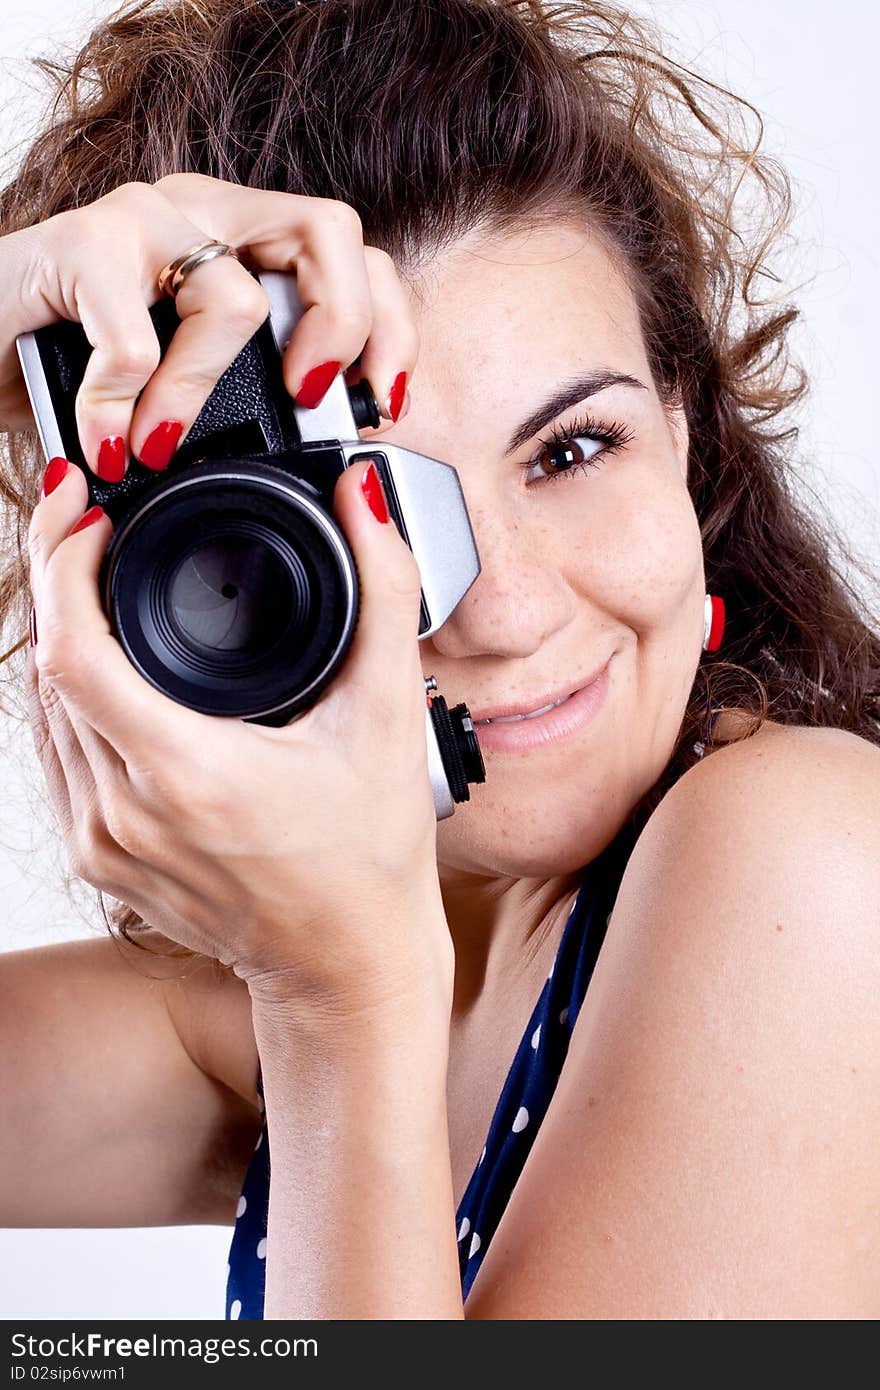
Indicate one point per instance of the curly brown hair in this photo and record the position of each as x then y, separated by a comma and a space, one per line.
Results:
436, 118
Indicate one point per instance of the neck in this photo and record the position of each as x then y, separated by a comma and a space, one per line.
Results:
505, 930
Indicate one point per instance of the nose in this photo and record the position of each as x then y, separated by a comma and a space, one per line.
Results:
518, 601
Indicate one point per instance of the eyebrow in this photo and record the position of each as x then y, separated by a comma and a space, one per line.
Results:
570, 393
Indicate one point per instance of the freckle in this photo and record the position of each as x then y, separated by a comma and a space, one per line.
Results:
779, 926
740, 1068
853, 1070
591, 1100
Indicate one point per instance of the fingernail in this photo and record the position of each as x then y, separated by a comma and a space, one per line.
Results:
56, 470
111, 459
374, 493
394, 399
87, 519
33, 627
316, 383
160, 444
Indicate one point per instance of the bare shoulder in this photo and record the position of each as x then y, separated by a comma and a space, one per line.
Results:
772, 836
785, 743
764, 858
792, 808
710, 1149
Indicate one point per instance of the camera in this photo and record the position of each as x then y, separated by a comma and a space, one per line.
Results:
227, 581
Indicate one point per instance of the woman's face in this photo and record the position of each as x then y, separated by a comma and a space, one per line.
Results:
600, 562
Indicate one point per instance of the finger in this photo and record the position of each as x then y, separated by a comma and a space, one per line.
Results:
383, 661
109, 825
337, 307
74, 792
80, 798
75, 787
51, 521
91, 767
78, 655
350, 293
50, 526
132, 401
393, 345
46, 750
221, 306
77, 757
69, 775
125, 352
226, 305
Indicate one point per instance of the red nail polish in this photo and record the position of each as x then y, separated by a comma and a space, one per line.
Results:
56, 470
33, 628
374, 493
111, 459
87, 519
316, 383
394, 401
160, 444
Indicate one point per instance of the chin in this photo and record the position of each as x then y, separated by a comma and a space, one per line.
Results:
522, 841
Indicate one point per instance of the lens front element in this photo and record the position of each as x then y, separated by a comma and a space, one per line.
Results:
233, 591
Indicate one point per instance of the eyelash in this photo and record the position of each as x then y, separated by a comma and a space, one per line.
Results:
613, 435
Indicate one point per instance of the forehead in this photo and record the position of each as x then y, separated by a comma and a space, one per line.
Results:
533, 291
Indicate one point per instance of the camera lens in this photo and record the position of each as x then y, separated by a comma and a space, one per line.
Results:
235, 598
233, 591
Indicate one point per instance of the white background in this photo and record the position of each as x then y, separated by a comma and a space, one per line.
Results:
811, 72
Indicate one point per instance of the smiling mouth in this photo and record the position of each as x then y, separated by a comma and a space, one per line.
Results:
533, 714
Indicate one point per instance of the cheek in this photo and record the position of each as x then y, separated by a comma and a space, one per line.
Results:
648, 539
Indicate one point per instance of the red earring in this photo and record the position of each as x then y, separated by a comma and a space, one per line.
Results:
713, 624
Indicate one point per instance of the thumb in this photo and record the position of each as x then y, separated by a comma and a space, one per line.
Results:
384, 651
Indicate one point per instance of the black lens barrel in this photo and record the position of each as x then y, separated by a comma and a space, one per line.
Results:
458, 746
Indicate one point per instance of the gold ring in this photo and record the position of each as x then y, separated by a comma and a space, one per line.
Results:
172, 275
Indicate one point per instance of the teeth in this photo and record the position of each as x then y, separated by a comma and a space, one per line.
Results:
533, 714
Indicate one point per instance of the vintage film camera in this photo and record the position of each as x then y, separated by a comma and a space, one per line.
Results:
227, 581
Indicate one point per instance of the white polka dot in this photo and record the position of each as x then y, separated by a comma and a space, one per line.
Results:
235, 1310
261, 1104
536, 1037
699, 749
482, 1155
564, 1015
475, 1245
259, 1142
550, 976
463, 1228
241, 1208
261, 1249
522, 1119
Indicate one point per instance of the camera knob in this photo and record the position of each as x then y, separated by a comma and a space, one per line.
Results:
363, 405
456, 742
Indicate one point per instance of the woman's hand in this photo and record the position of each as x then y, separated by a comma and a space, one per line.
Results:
294, 854
304, 857
98, 265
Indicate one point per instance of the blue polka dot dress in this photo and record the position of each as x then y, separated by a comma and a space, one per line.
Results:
521, 1107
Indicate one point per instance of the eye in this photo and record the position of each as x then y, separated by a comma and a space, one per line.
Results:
562, 456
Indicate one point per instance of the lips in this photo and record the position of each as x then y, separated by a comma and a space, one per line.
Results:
568, 720
533, 714
498, 713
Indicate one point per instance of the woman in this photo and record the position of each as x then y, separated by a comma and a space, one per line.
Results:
532, 252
